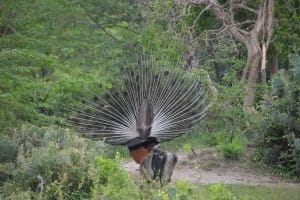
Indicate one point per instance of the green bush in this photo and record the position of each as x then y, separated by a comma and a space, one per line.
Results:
220, 192
8, 150
110, 181
52, 163
185, 190
280, 125
232, 150
8, 155
57, 170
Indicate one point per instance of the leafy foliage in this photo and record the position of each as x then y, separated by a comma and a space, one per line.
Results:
51, 163
50, 55
111, 181
281, 119
287, 31
220, 192
232, 150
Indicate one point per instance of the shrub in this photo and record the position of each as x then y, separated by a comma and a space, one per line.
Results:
55, 170
8, 150
8, 155
232, 150
220, 192
110, 181
52, 163
280, 125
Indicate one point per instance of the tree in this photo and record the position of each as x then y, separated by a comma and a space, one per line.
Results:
52, 50
287, 40
113, 17
251, 25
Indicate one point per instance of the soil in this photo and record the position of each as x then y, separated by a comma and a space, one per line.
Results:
207, 167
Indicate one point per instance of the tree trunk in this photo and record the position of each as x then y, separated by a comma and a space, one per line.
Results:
263, 64
251, 74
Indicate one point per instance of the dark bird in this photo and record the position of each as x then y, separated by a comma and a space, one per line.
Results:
146, 106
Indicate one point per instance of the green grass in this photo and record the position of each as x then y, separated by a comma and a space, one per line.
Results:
264, 192
185, 190
244, 192
195, 140
235, 192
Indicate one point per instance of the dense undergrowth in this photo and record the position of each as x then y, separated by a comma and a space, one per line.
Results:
279, 124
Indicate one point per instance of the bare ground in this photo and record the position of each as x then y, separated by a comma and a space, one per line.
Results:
206, 167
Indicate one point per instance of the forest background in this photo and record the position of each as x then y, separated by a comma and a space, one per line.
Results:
54, 51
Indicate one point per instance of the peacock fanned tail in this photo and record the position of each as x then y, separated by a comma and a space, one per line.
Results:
147, 102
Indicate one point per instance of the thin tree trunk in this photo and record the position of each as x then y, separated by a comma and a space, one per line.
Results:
250, 90
264, 64
251, 74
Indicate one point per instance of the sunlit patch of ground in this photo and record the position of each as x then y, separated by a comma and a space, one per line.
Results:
207, 167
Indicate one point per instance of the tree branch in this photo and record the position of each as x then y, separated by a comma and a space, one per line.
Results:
222, 16
100, 26
197, 18
241, 5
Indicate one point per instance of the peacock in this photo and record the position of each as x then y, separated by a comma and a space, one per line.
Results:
148, 104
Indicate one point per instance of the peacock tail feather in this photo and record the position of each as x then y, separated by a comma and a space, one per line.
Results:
147, 101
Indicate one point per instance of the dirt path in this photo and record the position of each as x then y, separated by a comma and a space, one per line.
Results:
207, 167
